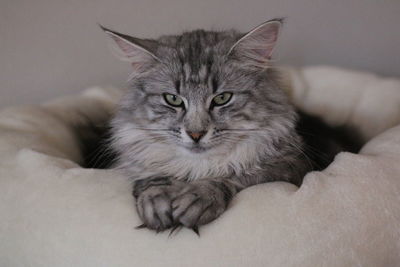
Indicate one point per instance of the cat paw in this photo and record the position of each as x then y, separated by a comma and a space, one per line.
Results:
196, 205
154, 206
163, 203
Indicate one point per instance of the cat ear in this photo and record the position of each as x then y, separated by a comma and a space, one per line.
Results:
255, 47
139, 52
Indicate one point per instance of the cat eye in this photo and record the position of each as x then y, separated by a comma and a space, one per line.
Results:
173, 100
221, 99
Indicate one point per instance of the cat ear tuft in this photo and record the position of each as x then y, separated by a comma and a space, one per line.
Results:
255, 47
137, 51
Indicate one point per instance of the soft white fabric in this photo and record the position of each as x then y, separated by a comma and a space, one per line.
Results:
55, 213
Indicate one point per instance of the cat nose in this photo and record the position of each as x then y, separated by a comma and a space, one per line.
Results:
196, 136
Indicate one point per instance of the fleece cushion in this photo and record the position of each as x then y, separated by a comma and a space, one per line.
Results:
56, 213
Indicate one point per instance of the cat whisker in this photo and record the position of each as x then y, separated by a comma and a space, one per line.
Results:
101, 154
233, 138
151, 129
243, 130
96, 158
301, 150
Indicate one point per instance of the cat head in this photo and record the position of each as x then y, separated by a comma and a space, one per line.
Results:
201, 95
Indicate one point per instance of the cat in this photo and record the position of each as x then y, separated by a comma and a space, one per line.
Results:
205, 117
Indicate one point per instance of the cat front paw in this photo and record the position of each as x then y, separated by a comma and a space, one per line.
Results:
198, 204
163, 203
154, 202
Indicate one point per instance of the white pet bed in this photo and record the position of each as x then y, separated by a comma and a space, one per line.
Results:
55, 213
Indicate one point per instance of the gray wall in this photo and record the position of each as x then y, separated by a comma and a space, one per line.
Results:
54, 47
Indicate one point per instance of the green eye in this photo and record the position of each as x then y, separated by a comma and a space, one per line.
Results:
173, 100
222, 99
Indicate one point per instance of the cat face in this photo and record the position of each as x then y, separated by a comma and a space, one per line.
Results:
202, 95
199, 102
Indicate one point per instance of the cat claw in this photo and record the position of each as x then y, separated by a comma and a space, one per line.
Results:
196, 230
174, 228
141, 226
145, 226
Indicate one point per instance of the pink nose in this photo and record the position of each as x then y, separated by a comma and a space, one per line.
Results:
196, 136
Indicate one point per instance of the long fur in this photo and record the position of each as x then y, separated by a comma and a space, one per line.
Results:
251, 139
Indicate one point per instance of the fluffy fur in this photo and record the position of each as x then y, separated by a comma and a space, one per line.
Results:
249, 140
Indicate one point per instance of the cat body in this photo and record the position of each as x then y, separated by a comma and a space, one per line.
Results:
204, 118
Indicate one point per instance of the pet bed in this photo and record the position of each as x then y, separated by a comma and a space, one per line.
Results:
56, 213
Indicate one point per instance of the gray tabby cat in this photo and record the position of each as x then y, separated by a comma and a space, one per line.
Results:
203, 119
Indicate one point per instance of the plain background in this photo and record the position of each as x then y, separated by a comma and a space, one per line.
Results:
53, 47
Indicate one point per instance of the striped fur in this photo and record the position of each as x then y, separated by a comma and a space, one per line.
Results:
250, 140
